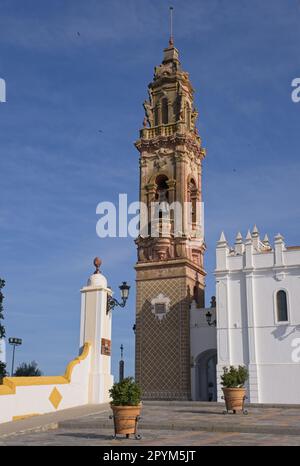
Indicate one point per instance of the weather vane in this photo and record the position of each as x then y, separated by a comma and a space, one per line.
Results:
171, 40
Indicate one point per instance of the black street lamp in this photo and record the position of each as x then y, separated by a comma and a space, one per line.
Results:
208, 315
113, 302
14, 342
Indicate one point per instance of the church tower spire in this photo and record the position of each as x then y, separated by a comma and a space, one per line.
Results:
170, 271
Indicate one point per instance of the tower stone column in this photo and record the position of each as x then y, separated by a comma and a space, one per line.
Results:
95, 328
169, 271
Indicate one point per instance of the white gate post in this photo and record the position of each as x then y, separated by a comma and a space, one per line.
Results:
95, 328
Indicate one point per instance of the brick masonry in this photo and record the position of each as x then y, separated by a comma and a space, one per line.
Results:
163, 346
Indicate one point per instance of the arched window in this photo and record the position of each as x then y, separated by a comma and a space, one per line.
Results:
164, 111
162, 195
281, 303
156, 116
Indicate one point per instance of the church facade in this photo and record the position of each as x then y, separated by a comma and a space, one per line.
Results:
258, 315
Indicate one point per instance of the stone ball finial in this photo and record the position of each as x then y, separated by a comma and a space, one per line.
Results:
97, 264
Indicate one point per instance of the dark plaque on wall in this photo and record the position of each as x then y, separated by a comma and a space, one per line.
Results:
105, 346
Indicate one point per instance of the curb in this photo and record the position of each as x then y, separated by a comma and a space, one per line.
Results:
42, 428
199, 427
217, 404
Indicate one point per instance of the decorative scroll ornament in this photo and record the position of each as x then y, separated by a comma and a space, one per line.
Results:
279, 276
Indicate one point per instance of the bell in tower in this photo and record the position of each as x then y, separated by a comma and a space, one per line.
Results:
169, 270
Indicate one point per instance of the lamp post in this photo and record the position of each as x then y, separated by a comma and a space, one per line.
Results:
14, 342
121, 365
113, 302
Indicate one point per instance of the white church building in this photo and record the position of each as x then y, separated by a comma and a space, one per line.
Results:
257, 320
258, 315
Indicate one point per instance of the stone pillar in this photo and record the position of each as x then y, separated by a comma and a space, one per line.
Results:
181, 187
95, 328
239, 245
253, 382
248, 251
249, 334
221, 253
223, 328
279, 247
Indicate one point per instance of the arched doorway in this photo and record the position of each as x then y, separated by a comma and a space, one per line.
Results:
206, 376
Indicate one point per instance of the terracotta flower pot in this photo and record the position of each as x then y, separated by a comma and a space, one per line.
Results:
125, 418
234, 399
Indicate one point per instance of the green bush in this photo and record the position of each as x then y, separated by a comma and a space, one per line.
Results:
234, 377
28, 370
125, 393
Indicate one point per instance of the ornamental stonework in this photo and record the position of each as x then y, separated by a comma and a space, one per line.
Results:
170, 271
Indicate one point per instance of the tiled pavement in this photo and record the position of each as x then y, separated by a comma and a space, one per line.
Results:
73, 437
175, 424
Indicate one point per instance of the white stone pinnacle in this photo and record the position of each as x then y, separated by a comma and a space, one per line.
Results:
279, 238
239, 237
222, 238
248, 237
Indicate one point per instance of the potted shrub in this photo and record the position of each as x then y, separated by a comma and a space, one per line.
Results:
233, 381
126, 406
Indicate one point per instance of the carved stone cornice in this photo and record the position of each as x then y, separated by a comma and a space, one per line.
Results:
188, 142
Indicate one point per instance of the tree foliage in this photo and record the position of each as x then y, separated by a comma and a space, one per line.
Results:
3, 372
28, 370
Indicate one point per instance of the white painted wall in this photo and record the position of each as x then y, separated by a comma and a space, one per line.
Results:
248, 277
34, 399
87, 379
202, 338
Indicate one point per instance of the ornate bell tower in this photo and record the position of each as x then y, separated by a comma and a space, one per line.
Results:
169, 271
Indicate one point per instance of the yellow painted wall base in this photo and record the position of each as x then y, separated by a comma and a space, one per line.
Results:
9, 384
25, 397
24, 416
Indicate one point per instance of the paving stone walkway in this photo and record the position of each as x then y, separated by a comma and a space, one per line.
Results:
174, 424
85, 437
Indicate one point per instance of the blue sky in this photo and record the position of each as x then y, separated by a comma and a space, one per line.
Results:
55, 166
